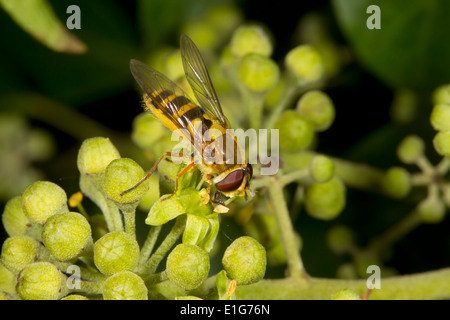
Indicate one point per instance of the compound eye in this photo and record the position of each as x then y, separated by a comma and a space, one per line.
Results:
232, 181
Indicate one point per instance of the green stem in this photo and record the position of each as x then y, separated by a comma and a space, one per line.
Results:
166, 245
113, 214
396, 232
428, 285
156, 278
129, 216
148, 246
294, 260
89, 287
289, 94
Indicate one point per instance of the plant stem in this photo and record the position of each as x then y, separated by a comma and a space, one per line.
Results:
294, 261
396, 232
166, 245
89, 287
129, 216
148, 246
428, 285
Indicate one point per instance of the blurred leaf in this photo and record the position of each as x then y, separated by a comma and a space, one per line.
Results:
38, 19
158, 19
73, 79
412, 48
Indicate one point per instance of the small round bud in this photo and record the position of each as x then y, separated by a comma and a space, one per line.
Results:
66, 235
224, 18
258, 73
431, 210
404, 106
202, 34
123, 174
326, 200
75, 297
317, 107
250, 39
125, 285
187, 266
346, 271
305, 63
295, 131
340, 238
42, 200
245, 260
397, 182
174, 65
440, 117
115, 252
322, 168
40, 281
346, 294
441, 94
441, 143
14, 219
95, 154
187, 298
147, 130
410, 149
18, 252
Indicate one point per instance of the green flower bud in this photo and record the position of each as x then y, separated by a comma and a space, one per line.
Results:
115, 252
346, 294
122, 174
224, 18
404, 106
340, 238
14, 219
174, 65
305, 63
326, 200
440, 117
147, 130
245, 260
295, 131
8, 280
441, 94
410, 149
66, 235
250, 39
441, 143
95, 154
431, 210
125, 285
322, 168
202, 34
41, 281
18, 252
317, 107
258, 73
363, 260
75, 297
397, 182
346, 271
42, 200
187, 266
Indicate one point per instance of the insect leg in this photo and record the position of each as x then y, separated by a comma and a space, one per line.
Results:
185, 170
165, 154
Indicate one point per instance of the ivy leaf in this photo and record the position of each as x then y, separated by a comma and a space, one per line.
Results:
38, 19
412, 47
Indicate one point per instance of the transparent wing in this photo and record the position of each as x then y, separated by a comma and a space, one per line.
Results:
199, 80
158, 87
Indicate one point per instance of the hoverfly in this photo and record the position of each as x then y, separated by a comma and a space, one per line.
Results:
170, 104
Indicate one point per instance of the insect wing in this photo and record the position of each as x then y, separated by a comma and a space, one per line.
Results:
199, 80
158, 87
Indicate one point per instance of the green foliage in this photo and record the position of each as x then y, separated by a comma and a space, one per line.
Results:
336, 207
